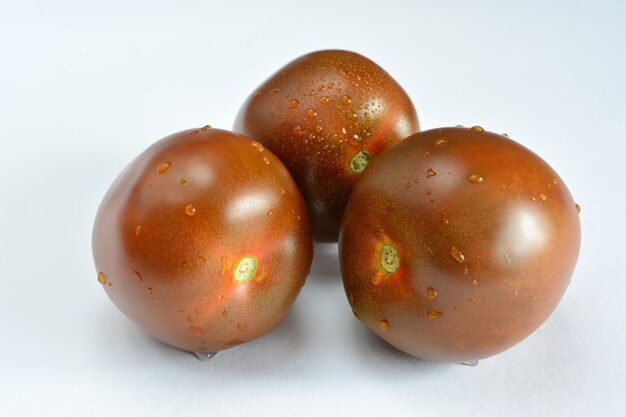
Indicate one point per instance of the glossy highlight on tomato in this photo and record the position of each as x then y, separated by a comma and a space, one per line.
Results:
326, 115
203, 240
457, 243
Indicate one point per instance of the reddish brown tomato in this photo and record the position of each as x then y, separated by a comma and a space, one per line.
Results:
203, 240
457, 244
325, 115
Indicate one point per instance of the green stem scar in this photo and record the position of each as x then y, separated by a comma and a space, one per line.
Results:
245, 269
359, 161
389, 258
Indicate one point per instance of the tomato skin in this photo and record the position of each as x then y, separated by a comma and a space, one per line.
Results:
203, 240
486, 236
325, 115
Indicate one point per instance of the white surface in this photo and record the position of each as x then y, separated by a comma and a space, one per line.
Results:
85, 88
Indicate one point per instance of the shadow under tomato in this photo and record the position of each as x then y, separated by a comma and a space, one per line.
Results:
276, 352
384, 359
325, 267
124, 345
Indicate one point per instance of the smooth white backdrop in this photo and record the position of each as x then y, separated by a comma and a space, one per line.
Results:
85, 87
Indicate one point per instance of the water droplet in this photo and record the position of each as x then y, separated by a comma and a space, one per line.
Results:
577, 208
431, 293
292, 104
196, 330
457, 254
434, 314
505, 135
430, 173
164, 167
241, 327
206, 127
138, 275
383, 324
225, 312
269, 213
138, 230
266, 160
297, 130
543, 197
555, 181
194, 132
245, 269
345, 100
258, 146
475, 179
442, 141
475, 283
359, 161
149, 291
477, 128
311, 113
205, 356
275, 90
324, 99
354, 140
471, 299
101, 278
190, 210
389, 258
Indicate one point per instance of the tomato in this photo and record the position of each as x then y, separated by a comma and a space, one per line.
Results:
203, 240
326, 115
457, 244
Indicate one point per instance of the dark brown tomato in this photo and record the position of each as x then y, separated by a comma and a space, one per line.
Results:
325, 115
457, 244
203, 240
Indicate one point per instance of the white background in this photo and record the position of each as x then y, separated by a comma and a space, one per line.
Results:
84, 88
